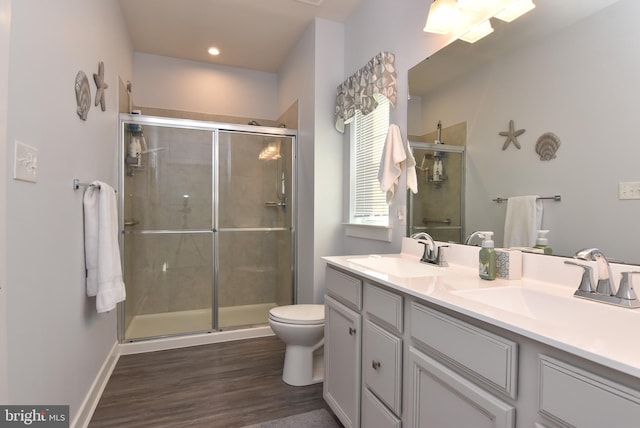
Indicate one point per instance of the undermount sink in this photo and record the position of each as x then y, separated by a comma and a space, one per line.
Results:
398, 266
527, 302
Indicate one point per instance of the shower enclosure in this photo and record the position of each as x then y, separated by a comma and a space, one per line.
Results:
438, 207
206, 215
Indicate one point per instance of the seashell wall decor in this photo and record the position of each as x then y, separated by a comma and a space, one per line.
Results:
83, 95
547, 146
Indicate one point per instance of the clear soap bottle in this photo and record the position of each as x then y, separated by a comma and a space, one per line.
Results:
487, 257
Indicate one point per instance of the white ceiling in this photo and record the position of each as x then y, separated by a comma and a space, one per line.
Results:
252, 34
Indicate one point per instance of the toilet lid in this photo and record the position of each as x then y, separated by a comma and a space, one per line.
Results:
298, 314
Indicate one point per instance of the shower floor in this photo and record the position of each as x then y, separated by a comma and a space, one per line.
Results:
196, 320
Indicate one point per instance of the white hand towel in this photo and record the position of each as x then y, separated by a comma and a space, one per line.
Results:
393, 154
412, 177
523, 220
102, 254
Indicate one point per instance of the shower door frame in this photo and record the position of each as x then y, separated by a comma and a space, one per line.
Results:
126, 119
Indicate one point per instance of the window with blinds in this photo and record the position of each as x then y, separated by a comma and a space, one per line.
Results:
368, 203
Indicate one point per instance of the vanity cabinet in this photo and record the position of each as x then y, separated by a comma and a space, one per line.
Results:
394, 360
342, 346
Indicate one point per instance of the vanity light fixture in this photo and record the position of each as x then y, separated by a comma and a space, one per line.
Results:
270, 150
477, 32
443, 17
213, 51
471, 17
515, 9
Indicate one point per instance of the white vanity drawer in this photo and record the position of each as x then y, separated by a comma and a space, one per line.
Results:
578, 398
376, 415
382, 364
384, 306
489, 358
344, 288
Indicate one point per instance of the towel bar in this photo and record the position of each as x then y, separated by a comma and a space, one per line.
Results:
77, 184
556, 198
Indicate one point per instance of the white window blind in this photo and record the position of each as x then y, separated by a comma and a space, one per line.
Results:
369, 205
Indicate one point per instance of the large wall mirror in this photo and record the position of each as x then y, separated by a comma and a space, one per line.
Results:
570, 68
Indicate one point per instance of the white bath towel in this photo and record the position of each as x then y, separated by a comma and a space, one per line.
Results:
394, 154
412, 177
523, 220
102, 254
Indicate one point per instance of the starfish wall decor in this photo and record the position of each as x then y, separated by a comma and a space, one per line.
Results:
511, 135
100, 86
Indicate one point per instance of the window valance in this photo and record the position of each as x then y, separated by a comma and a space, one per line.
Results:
378, 76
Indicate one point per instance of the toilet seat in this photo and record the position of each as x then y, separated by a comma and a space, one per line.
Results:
298, 314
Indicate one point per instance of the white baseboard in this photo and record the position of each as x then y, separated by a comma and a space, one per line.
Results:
83, 417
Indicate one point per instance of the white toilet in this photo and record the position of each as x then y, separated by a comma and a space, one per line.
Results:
301, 328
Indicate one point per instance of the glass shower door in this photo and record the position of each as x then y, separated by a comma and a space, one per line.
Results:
168, 233
254, 239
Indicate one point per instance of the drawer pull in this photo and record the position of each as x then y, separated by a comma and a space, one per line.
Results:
352, 331
375, 365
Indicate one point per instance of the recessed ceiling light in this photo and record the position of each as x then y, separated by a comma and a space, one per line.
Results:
214, 51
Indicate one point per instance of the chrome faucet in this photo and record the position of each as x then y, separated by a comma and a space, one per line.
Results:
432, 254
605, 278
471, 236
604, 290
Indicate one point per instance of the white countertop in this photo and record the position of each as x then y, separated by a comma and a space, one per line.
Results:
595, 331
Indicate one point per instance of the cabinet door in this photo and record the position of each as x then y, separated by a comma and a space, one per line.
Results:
342, 362
382, 364
439, 397
375, 414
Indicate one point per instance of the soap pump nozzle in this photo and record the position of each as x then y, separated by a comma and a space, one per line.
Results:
487, 241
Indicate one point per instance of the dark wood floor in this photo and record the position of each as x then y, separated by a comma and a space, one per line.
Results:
223, 385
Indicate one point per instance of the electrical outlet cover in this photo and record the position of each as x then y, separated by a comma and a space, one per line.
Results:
25, 164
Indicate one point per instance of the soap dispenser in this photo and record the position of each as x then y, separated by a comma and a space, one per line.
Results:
542, 242
487, 257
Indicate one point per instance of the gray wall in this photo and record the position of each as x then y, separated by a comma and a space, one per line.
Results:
56, 342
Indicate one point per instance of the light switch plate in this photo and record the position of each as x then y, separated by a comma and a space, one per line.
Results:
25, 163
629, 190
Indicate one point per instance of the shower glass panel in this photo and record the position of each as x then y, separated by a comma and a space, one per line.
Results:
168, 236
254, 239
437, 208
206, 215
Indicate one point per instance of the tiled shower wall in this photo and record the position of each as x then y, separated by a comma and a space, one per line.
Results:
441, 200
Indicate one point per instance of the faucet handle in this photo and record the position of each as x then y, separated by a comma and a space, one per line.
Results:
426, 255
586, 283
440, 260
625, 291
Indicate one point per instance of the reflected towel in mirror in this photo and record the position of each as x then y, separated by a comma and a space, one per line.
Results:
523, 220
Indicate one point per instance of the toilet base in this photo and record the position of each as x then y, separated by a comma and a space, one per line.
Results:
303, 365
